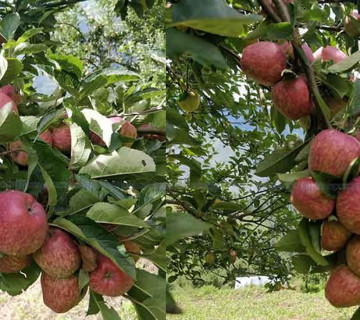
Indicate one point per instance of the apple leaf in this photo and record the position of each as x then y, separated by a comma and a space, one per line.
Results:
97, 304
346, 64
9, 25
90, 232
290, 243
15, 283
10, 124
111, 213
180, 225
307, 242
123, 161
80, 147
211, 16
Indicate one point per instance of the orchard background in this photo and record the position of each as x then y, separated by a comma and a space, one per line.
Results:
238, 139
74, 65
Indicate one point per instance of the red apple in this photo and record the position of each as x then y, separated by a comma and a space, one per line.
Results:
59, 255
292, 98
264, 62
343, 288
88, 257
17, 155
23, 223
62, 138
5, 99
14, 264
308, 199
109, 280
334, 236
60, 295
46, 136
349, 26
128, 130
353, 255
329, 53
332, 152
9, 90
289, 50
348, 206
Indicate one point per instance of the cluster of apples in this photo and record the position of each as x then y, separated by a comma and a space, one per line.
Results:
265, 61
331, 153
25, 236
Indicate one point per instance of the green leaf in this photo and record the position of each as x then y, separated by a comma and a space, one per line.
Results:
346, 64
123, 161
111, 213
72, 65
272, 31
15, 283
180, 225
9, 25
96, 236
80, 147
203, 52
306, 241
293, 176
213, 16
10, 124
279, 161
84, 279
15, 67
302, 263
290, 243
27, 48
106, 312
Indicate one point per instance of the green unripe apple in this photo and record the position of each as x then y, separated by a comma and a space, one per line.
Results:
190, 102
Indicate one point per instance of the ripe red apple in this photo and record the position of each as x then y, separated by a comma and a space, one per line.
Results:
292, 98
60, 295
334, 236
343, 288
132, 248
95, 139
88, 257
128, 130
62, 138
353, 255
264, 62
9, 90
5, 99
18, 156
14, 264
46, 136
109, 280
308, 199
350, 27
59, 255
329, 53
289, 50
332, 152
23, 223
348, 206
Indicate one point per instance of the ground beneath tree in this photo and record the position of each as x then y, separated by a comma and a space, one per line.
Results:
209, 303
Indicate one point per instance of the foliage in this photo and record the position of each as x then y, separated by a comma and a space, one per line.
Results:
232, 162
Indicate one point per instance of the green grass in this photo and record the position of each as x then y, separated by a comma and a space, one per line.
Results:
254, 304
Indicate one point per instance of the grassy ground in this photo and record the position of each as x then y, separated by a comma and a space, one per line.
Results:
198, 304
255, 304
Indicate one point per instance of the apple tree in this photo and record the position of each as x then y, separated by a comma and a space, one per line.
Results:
82, 173
263, 106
